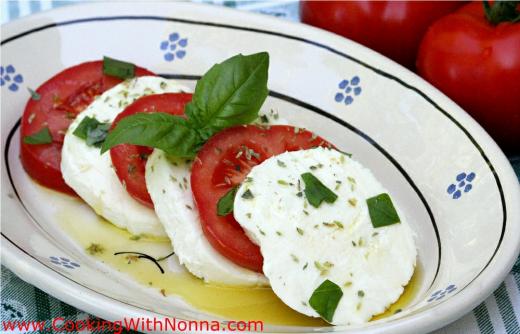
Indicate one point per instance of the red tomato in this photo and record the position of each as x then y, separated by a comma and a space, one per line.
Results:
61, 98
130, 160
477, 64
393, 28
223, 163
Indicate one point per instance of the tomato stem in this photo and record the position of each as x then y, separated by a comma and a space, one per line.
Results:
501, 11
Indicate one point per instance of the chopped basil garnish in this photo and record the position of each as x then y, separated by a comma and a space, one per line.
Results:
34, 95
117, 68
281, 163
323, 267
248, 194
338, 224
230, 93
316, 192
325, 299
382, 211
225, 203
38, 138
92, 131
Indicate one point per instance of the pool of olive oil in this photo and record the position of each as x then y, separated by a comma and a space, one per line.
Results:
102, 239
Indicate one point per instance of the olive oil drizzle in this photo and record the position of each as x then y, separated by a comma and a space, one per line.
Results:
232, 302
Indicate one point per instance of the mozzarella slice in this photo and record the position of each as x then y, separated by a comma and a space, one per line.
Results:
92, 175
303, 246
168, 184
167, 180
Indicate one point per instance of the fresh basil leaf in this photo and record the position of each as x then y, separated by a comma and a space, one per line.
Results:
117, 68
170, 133
225, 203
230, 93
316, 192
382, 211
92, 131
325, 299
43, 136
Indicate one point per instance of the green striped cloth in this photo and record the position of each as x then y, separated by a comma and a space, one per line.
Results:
500, 313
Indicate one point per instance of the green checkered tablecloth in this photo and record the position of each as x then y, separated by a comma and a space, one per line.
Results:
500, 313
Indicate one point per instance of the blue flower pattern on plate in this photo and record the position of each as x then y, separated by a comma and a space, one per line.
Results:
64, 262
462, 184
174, 47
439, 294
9, 77
349, 89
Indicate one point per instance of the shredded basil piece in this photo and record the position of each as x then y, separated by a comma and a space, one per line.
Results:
92, 131
325, 299
34, 95
38, 138
316, 192
382, 211
117, 68
225, 203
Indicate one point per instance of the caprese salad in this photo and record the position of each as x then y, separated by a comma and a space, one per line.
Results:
244, 198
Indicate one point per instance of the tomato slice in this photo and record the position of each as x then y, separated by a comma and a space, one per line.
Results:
223, 163
61, 99
130, 160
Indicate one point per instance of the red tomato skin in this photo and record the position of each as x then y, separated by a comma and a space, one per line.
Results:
62, 97
392, 28
130, 160
478, 66
210, 169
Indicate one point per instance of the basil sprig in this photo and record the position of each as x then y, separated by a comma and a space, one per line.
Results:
230, 93
43, 136
382, 211
325, 299
92, 131
316, 192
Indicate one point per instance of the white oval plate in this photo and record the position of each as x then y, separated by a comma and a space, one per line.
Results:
452, 182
